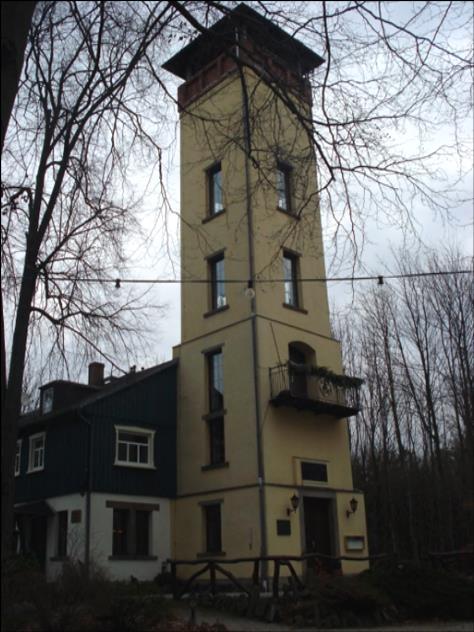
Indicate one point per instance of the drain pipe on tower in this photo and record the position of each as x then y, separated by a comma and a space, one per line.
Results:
253, 318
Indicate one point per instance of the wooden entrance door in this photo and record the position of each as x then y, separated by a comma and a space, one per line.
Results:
318, 527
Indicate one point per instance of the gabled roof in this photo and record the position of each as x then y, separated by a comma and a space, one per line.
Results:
221, 35
117, 385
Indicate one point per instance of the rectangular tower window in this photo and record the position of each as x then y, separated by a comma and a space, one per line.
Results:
62, 534
214, 184
216, 441
290, 276
314, 471
212, 520
215, 381
284, 187
216, 268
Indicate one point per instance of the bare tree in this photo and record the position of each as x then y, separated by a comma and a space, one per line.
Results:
79, 115
389, 111
16, 21
409, 340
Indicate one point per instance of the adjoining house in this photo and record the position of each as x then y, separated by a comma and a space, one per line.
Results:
96, 471
245, 433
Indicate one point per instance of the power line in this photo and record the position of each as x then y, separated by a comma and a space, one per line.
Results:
346, 279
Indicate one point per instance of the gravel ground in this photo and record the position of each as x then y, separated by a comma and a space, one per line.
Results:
236, 624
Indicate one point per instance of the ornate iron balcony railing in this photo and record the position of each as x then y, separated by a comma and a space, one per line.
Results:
314, 388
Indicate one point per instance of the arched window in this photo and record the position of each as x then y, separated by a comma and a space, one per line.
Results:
301, 353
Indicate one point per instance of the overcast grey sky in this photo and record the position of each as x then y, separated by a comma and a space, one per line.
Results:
375, 238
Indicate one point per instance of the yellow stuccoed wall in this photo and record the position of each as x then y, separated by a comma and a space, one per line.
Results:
211, 132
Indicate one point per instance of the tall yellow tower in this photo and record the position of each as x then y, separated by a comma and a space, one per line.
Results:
263, 453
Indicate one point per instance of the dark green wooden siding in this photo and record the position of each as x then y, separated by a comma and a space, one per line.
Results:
150, 403
65, 461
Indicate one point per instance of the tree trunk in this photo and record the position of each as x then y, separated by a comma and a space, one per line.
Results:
11, 404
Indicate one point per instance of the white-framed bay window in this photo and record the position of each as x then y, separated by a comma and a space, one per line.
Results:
134, 447
37, 444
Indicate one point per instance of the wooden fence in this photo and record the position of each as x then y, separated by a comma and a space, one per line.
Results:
323, 563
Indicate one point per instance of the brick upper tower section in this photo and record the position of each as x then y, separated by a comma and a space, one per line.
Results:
242, 38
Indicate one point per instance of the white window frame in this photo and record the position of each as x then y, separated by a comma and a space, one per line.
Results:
18, 457
150, 434
32, 450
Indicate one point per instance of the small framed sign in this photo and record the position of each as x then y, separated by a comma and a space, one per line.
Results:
283, 527
355, 542
76, 515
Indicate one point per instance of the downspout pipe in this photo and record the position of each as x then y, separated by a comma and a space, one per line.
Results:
88, 486
253, 319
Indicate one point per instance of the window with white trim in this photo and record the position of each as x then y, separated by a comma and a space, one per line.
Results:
18, 458
36, 452
134, 447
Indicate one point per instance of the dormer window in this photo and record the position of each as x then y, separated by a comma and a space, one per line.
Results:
47, 402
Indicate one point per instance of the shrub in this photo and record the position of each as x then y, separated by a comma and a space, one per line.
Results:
423, 591
134, 613
25, 593
73, 586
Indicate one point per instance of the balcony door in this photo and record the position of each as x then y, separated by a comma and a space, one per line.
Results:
297, 372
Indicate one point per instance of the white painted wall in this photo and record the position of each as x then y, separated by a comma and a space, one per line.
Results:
76, 532
101, 536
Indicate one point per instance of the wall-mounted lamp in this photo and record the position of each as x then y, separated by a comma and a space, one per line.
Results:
353, 507
295, 501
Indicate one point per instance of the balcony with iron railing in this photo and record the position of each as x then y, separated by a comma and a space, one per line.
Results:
314, 388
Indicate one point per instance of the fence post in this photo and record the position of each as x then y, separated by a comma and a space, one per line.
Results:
255, 574
174, 580
276, 579
212, 572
